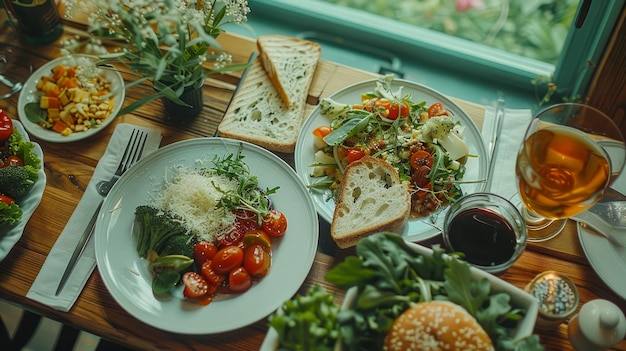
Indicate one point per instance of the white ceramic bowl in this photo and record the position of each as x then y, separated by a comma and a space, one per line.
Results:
30, 94
519, 299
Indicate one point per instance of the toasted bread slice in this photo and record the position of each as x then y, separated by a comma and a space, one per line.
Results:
371, 199
290, 63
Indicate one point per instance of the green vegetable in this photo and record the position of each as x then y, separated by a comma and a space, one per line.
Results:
167, 270
37, 115
156, 227
390, 277
442, 130
10, 214
14, 181
307, 322
179, 245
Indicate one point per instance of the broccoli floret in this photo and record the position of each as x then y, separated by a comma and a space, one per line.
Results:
178, 245
14, 181
441, 130
156, 227
332, 109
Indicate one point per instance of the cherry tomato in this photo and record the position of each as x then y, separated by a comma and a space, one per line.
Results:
239, 280
420, 177
204, 251
437, 109
13, 161
275, 223
322, 131
6, 199
257, 260
421, 158
401, 109
210, 275
354, 154
195, 285
245, 221
227, 259
258, 236
6, 125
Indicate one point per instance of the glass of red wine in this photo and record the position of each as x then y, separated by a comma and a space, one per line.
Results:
488, 229
569, 155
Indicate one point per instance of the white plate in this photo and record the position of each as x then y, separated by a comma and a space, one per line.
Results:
9, 235
126, 275
519, 299
607, 259
416, 230
30, 94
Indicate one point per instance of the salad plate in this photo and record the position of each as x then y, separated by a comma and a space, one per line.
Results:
128, 279
30, 94
9, 235
418, 229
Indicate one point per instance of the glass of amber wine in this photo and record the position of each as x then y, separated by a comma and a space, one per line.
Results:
569, 155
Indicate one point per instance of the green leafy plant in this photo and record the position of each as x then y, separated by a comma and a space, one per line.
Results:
166, 42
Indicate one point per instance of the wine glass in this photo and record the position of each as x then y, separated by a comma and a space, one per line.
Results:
570, 154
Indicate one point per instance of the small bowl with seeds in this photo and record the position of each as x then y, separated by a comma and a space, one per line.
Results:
557, 296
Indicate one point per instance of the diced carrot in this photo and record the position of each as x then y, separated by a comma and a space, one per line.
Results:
69, 83
51, 89
58, 71
71, 72
49, 102
59, 126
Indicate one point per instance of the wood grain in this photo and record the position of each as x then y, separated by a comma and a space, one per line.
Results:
69, 168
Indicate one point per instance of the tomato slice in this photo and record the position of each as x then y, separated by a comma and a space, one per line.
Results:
239, 280
322, 131
203, 251
275, 223
354, 154
258, 236
6, 199
227, 259
6, 125
421, 158
437, 109
14, 161
398, 109
195, 285
257, 260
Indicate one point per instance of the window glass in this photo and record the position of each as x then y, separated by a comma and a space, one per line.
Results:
535, 29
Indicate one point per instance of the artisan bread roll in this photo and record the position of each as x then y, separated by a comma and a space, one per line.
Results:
371, 199
436, 326
290, 63
257, 113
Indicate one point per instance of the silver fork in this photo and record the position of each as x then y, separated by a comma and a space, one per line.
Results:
132, 154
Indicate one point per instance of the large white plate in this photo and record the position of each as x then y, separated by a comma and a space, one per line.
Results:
9, 235
607, 259
419, 229
30, 94
126, 275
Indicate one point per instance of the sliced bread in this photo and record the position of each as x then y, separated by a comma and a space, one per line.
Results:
290, 63
371, 199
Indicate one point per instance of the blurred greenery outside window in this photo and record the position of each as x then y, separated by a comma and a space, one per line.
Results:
531, 44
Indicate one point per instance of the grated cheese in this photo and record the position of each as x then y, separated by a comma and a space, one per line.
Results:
193, 196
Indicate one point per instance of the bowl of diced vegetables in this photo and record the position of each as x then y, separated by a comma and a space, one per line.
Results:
387, 277
70, 98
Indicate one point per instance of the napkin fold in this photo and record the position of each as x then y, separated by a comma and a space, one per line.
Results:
45, 285
514, 124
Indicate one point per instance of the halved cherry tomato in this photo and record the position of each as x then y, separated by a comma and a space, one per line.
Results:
227, 259
6, 125
396, 109
420, 177
354, 154
210, 275
275, 223
257, 260
6, 199
195, 285
322, 131
437, 109
203, 251
244, 222
421, 158
258, 236
14, 161
239, 280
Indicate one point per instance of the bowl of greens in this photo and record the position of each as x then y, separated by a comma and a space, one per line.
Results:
386, 277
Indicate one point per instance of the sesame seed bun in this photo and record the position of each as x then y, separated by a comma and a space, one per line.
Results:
436, 326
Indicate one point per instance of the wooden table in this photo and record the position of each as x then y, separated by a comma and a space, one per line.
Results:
97, 312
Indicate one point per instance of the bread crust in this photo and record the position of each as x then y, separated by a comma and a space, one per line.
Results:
356, 217
436, 326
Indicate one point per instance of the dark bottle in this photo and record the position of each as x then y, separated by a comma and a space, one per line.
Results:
38, 20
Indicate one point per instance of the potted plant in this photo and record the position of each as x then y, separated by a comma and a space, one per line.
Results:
170, 43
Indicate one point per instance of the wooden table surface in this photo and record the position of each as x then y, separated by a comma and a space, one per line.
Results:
97, 312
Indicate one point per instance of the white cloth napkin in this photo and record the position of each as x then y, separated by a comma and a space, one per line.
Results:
45, 285
510, 139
